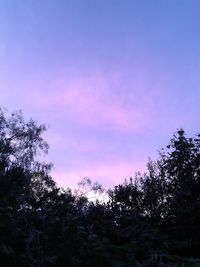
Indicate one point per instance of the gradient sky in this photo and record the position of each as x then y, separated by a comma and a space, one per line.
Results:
113, 79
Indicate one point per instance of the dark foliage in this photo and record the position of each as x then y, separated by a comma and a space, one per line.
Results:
151, 220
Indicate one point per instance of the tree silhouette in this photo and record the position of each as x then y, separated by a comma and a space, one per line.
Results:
152, 219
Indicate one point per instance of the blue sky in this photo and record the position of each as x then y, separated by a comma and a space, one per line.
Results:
113, 79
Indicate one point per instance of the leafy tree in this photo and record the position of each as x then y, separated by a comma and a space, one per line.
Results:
181, 167
151, 220
23, 180
20, 143
161, 208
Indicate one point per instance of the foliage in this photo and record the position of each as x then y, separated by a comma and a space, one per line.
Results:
151, 220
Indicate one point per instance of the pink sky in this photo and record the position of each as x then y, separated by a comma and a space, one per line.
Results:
112, 80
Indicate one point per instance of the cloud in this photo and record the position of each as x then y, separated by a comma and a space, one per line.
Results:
109, 174
75, 142
95, 101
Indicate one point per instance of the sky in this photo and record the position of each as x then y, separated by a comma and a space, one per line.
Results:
112, 79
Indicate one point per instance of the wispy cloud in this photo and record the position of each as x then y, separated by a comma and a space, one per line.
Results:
95, 102
109, 174
75, 143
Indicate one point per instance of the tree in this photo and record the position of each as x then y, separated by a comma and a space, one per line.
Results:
20, 144
151, 220
181, 169
167, 200
23, 180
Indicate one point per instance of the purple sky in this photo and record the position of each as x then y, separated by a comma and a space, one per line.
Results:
113, 79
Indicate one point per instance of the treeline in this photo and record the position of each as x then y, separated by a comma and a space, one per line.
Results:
150, 220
